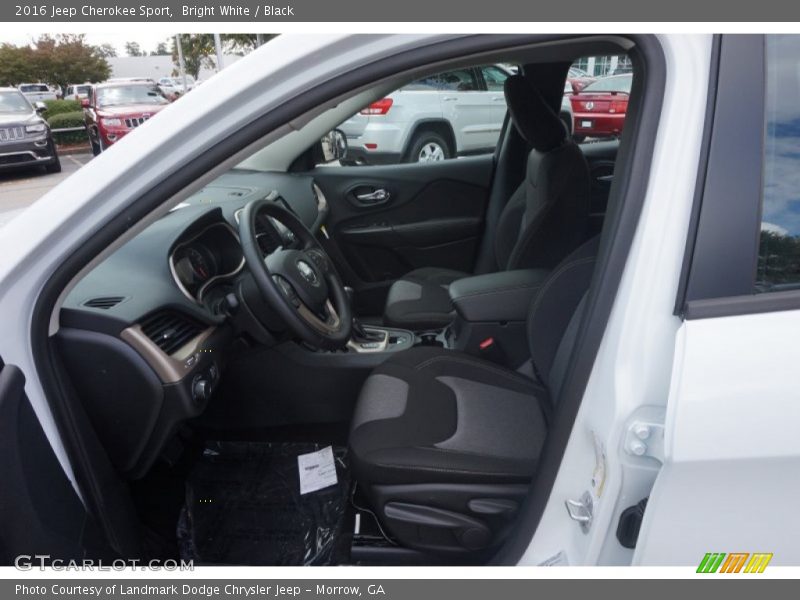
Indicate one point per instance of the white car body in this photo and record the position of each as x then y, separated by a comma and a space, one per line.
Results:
37, 92
704, 377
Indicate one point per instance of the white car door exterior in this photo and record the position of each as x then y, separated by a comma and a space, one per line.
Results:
471, 110
732, 449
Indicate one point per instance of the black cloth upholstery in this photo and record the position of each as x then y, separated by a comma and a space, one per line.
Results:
436, 415
420, 300
442, 416
543, 221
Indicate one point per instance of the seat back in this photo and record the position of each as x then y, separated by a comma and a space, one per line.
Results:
547, 216
555, 314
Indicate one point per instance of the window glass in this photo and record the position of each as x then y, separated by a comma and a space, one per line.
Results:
120, 95
464, 111
426, 84
779, 248
14, 102
462, 80
494, 78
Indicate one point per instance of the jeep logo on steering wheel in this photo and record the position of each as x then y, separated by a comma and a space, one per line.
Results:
307, 272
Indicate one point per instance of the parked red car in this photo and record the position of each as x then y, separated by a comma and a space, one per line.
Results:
114, 109
599, 108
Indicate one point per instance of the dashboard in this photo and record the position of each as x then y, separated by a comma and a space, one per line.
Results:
144, 335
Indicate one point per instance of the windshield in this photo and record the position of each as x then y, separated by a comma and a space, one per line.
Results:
34, 88
611, 84
14, 102
129, 94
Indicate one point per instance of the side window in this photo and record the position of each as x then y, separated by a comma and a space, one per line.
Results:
779, 246
430, 83
494, 78
462, 80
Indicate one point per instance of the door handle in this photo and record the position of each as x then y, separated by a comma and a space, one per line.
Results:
499, 99
375, 197
450, 98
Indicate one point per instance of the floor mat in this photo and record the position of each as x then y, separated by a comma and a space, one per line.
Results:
244, 507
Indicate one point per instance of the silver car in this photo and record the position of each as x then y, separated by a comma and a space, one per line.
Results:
448, 114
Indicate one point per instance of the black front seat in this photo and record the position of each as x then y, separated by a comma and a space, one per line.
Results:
444, 444
544, 220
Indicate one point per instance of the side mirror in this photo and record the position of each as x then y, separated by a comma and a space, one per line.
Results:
40, 107
84, 102
334, 146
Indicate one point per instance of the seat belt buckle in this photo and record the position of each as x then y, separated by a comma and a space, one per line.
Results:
490, 349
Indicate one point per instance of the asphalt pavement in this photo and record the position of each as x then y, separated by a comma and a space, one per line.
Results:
21, 188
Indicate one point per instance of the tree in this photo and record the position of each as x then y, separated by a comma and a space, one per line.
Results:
16, 65
133, 49
60, 60
198, 49
161, 50
106, 50
244, 43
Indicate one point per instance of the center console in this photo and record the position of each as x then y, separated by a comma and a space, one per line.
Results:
491, 314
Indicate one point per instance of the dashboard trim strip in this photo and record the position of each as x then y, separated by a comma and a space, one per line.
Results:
169, 368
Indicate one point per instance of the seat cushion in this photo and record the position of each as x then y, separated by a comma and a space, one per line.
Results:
430, 415
420, 299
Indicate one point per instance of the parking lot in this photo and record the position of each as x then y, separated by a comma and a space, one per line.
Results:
19, 189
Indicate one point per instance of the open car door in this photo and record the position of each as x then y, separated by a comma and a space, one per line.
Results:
40, 512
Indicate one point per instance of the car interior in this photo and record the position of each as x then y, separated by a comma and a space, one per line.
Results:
304, 363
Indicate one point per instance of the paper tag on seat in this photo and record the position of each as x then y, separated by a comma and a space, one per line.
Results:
317, 470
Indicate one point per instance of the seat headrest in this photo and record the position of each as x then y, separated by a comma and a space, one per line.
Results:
533, 118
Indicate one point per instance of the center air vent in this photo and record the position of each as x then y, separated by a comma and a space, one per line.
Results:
105, 302
171, 330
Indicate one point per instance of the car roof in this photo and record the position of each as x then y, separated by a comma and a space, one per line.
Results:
9, 89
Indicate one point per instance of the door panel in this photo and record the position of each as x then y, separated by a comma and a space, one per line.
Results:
40, 512
388, 220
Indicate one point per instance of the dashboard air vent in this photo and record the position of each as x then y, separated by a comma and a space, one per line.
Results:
171, 330
104, 302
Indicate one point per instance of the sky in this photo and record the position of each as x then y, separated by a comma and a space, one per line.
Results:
147, 40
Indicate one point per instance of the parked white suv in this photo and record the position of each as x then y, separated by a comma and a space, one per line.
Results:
448, 114
37, 92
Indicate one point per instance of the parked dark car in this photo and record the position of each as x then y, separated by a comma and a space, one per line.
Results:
25, 138
600, 107
116, 108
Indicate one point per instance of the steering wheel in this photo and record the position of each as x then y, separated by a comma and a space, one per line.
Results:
301, 285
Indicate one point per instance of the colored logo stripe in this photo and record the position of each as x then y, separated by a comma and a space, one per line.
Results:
711, 562
734, 562
758, 562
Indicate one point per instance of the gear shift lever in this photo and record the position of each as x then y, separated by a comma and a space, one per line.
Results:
359, 334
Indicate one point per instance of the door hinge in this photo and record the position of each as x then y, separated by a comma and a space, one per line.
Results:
645, 434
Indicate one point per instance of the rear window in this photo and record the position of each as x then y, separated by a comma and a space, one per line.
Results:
34, 88
620, 83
